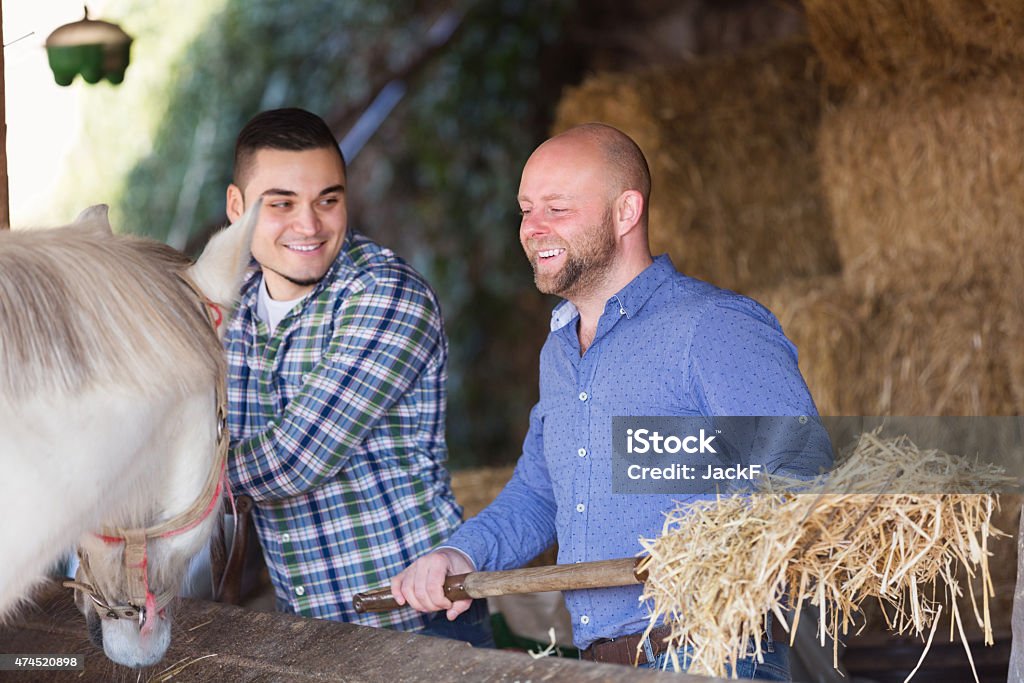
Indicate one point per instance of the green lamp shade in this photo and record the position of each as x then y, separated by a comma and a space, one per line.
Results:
94, 49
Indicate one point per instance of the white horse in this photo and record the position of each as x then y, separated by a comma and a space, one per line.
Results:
110, 371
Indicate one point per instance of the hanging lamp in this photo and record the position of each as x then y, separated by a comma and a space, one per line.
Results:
93, 48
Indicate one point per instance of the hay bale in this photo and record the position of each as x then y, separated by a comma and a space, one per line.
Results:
477, 488
873, 40
1011, 327
941, 352
954, 350
618, 99
983, 28
863, 41
736, 188
926, 185
822, 318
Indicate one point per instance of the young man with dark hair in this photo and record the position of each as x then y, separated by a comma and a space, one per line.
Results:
336, 386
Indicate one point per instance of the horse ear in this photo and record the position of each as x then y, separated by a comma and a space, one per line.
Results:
221, 267
94, 218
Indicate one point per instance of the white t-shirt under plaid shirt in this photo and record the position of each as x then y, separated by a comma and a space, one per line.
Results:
337, 432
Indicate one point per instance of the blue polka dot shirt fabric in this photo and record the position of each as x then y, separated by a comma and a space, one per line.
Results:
666, 345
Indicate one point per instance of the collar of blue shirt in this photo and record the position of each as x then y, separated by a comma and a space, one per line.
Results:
628, 300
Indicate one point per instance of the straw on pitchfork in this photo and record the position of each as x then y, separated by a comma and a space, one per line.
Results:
892, 522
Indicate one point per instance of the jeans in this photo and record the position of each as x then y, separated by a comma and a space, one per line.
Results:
472, 626
775, 666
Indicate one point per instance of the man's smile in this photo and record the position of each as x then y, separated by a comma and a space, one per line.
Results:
304, 248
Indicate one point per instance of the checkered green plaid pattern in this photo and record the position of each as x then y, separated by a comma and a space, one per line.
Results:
337, 428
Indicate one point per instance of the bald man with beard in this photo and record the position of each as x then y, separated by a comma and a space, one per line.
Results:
632, 337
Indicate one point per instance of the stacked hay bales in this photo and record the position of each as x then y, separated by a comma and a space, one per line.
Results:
922, 201
731, 143
989, 27
737, 200
937, 352
940, 351
1012, 327
926, 183
923, 168
949, 350
915, 190
893, 40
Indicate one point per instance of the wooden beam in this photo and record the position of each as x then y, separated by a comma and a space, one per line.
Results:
1016, 673
5, 204
215, 642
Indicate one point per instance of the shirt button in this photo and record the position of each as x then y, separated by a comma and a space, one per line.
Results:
583, 396
285, 538
300, 590
582, 452
622, 311
803, 419
580, 507
585, 619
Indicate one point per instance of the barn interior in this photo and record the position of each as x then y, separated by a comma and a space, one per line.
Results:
856, 166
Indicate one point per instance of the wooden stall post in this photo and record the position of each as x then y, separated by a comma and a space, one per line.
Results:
5, 205
1016, 672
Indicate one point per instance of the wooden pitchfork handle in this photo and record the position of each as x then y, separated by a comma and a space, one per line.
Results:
602, 574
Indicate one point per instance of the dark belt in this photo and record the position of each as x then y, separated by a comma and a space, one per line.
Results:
623, 650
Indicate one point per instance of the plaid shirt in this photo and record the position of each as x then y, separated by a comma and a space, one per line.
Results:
337, 432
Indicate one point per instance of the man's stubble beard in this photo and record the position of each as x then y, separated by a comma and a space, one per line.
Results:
306, 282
586, 265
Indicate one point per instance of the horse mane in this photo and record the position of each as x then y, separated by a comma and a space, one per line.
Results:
83, 307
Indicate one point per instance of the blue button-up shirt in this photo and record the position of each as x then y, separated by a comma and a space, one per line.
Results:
666, 344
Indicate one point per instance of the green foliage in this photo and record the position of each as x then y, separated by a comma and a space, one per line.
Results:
437, 183
119, 123
459, 144
253, 55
